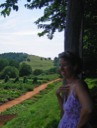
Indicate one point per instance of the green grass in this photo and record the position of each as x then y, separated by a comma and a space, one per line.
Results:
37, 63
40, 111
91, 82
48, 77
11, 90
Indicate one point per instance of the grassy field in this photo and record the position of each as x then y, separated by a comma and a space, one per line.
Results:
37, 62
42, 111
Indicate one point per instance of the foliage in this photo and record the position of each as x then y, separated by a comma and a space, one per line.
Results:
24, 79
25, 69
14, 57
90, 38
6, 95
22, 85
8, 6
90, 29
52, 70
54, 15
54, 18
3, 63
90, 66
39, 66
14, 63
56, 61
11, 71
6, 78
43, 108
16, 79
35, 79
37, 72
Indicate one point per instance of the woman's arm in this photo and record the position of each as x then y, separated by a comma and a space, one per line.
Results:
60, 101
86, 104
61, 94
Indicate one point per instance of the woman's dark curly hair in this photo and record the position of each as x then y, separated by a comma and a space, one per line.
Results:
73, 59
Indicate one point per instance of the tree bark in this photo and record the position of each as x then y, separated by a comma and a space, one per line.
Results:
74, 23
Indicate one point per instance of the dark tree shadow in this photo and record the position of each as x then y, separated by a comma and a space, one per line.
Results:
93, 92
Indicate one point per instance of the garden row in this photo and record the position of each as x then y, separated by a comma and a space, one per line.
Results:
12, 89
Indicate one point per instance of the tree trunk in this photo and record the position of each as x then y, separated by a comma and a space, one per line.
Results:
73, 31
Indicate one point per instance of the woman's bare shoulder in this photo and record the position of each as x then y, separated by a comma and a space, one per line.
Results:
80, 86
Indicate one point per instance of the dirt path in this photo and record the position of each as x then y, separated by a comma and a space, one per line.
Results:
24, 97
9, 104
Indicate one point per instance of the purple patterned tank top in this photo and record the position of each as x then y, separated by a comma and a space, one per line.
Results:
71, 115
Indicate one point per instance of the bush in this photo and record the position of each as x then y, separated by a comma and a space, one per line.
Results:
35, 80
37, 72
25, 79
16, 79
12, 72
6, 78
25, 69
52, 70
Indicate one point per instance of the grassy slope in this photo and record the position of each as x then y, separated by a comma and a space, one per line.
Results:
37, 63
40, 112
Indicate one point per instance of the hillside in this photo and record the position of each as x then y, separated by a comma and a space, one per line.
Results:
35, 62
18, 57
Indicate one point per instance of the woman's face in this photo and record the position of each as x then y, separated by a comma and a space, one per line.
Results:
66, 68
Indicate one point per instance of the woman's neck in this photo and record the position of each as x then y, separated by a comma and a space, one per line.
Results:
71, 79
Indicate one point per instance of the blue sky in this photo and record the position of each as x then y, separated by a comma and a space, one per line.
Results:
18, 33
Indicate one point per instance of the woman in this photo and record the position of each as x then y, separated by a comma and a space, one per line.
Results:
76, 105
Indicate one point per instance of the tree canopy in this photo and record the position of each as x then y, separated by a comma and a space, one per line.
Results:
54, 18
90, 28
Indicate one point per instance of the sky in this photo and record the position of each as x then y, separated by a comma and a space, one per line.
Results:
18, 33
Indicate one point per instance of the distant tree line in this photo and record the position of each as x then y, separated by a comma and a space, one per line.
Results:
19, 57
14, 69
12, 65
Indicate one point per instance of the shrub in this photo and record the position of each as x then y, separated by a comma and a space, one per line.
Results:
6, 78
25, 69
16, 79
37, 72
35, 80
11, 71
24, 79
